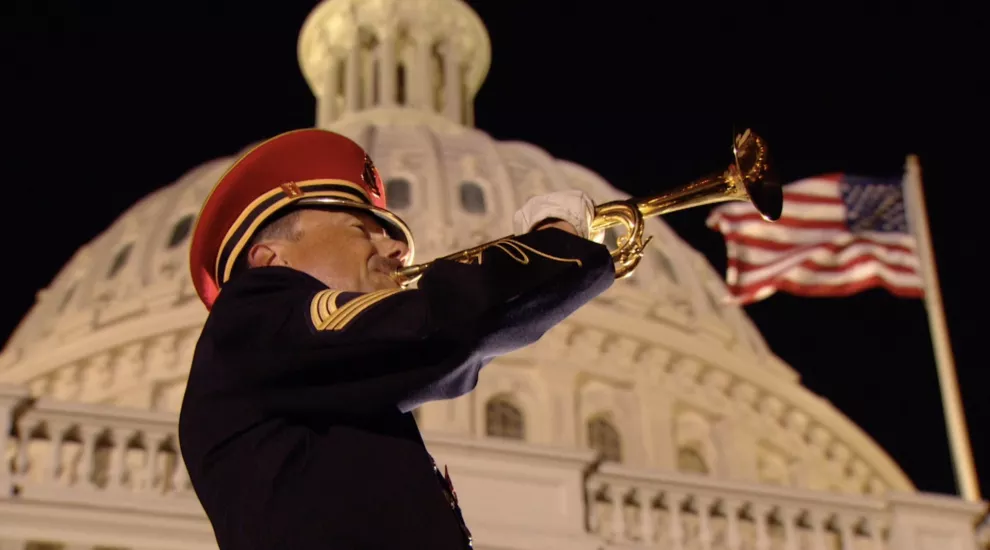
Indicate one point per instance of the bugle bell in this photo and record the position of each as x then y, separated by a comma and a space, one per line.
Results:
748, 178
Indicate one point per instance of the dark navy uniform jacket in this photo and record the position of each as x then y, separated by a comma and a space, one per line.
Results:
296, 427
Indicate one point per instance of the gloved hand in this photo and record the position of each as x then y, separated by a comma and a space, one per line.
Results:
572, 206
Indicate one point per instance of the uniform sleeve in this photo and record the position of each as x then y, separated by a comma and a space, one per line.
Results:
359, 353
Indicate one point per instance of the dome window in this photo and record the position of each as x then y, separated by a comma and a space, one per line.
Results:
604, 438
503, 419
398, 193
472, 197
400, 84
120, 260
690, 461
180, 231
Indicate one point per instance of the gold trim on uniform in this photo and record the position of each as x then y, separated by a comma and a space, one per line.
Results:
327, 316
517, 251
323, 306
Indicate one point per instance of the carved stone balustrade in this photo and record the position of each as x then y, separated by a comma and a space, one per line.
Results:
647, 509
94, 476
80, 477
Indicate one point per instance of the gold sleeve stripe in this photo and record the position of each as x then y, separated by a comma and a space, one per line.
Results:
324, 304
515, 250
342, 316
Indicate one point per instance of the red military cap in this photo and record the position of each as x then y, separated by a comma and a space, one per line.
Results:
308, 167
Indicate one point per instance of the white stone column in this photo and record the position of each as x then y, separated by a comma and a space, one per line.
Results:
674, 503
705, 535
647, 525
564, 426
56, 436
326, 106
732, 535
387, 68
452, 87
115, 476
736, 450
618, 512
354, 77
419, 81
656, 408
89, 434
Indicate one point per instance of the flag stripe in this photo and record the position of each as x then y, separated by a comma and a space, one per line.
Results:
821, 187
828, 256
811, 275
824, 211
792, 236
788, 222
805, 198
803, 272
837, 290
891, 242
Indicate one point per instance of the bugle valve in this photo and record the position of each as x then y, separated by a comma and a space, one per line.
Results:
748, 178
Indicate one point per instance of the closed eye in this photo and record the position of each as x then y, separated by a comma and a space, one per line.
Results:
364, 230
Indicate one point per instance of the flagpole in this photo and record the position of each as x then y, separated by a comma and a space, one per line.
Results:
955, 420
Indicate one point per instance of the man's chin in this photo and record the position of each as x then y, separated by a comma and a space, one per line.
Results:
382, 281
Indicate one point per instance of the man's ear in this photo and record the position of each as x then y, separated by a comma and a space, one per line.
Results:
264, 254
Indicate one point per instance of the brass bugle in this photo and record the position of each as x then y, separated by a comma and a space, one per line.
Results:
748, 178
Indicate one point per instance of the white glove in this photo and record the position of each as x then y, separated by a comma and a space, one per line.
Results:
572, 206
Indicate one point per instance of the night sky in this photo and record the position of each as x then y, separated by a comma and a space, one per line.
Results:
107, 103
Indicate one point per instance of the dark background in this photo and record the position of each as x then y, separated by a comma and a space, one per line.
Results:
104, 103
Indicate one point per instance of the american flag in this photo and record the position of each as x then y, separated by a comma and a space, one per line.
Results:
838, 235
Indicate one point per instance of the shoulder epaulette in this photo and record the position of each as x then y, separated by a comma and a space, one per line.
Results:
326, 314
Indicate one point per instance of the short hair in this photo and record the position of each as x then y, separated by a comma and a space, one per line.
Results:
282, 226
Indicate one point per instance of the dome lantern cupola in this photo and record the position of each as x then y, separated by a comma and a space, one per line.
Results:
425, 55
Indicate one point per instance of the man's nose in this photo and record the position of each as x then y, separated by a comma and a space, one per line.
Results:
391, 248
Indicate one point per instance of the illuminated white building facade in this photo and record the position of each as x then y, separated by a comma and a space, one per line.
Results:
655, 417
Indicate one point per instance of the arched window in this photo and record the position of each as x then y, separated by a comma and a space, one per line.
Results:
180, 231
400, 84
604, 438
472, 197
120, 260
690, 461
504, 419
398, 192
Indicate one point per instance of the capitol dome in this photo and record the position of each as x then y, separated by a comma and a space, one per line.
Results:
657, 373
